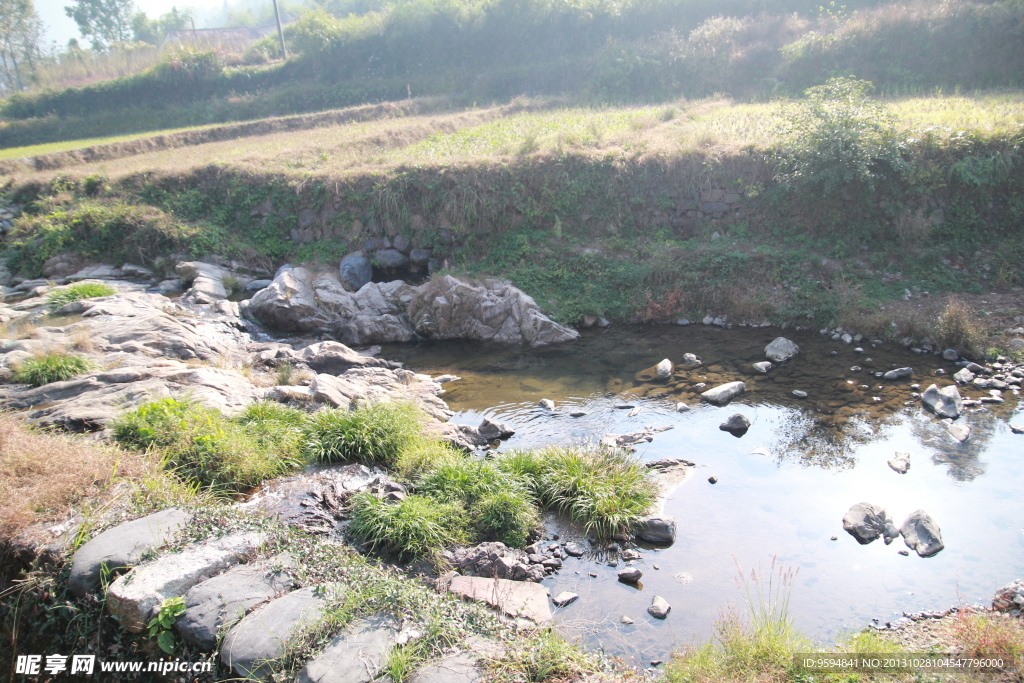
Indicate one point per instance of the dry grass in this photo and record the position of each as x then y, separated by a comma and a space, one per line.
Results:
44, 476
957, 328
989, 634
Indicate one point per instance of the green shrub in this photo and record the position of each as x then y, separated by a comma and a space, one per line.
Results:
51, 367
407, 529
605, 491
203, 446
841, 137
77, 292
374, 434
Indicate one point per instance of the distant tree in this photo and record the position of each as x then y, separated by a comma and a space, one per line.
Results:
152, 31
21, 32
103, 21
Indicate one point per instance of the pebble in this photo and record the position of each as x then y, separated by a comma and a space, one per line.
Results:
799, 394
682, 408
713, 479
659, 608
547, 404
904, 553
834, 538
625, 620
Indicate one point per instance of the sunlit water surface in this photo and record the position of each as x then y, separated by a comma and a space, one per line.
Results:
825, 453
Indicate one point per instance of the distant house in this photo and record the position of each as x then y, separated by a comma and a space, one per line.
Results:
230, 40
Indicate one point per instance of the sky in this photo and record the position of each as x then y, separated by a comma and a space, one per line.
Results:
61, 28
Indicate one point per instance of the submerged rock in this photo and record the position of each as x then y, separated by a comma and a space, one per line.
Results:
659, 608
724, 393
781, 350
899, 373
922, 534
866, 522
564, 598
763, 366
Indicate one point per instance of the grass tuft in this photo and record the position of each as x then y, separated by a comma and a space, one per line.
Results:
51, 367
408, 529
957, 328
374, 434
544, 656
77, 292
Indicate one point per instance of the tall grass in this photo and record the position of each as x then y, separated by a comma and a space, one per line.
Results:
957, 327
761, 648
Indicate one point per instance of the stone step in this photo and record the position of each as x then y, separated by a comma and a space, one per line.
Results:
132, 598
514, 598
123, 546
226, 598
252, 645
356, 655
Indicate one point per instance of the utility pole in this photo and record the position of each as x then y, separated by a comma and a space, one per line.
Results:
280, 31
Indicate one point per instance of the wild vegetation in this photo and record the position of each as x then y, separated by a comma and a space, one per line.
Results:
55, 366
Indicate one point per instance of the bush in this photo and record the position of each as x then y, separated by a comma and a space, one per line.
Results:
605, 491
375, 434
408, 529
77, 292
203, 446
51, 367
841, 137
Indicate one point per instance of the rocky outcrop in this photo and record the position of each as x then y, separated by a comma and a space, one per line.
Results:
496, 560
307, 300
922, 534
132, 598
122, 546
866, 522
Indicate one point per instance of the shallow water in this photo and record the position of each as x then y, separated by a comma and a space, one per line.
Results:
824, 453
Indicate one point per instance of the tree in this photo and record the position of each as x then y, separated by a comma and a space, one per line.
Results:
21, 32
152, 31
104, 21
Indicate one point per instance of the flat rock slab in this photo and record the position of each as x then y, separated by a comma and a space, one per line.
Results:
356, 655
723, 393
226, 598
122, 547
514, 598
461, 668
132, 597
256, 641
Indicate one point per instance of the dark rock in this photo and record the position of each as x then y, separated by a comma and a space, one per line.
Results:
355, 271
575, 549
659, 608
492, 431
564, 598
419, 258
945, 402
737, 425
356, 655
781, 350
392, 259
657, 529
866, 522
630, 574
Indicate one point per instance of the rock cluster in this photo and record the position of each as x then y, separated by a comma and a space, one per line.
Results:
866, 522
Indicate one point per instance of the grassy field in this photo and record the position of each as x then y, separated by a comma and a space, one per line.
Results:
499, 134
51, 147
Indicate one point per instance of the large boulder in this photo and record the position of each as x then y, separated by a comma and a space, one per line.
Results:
922, 534
335, 358
780, 350
122, 546
945, 402
288, 303
355, 271
866, 522
723, 393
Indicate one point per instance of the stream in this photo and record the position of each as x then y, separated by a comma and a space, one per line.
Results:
782, 488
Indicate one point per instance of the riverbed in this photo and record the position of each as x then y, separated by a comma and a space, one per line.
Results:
782, 488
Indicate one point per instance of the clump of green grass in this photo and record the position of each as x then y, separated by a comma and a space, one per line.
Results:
77, 292
202, 446
509, 515
373, 434
607, 492
51, 367
409, 528
424, 454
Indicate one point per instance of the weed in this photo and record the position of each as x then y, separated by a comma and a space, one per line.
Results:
982, 634
424, 454
957, 328
407, 529
509, 515
543, 656
373, 434
162, 624
56, 366
77, 292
